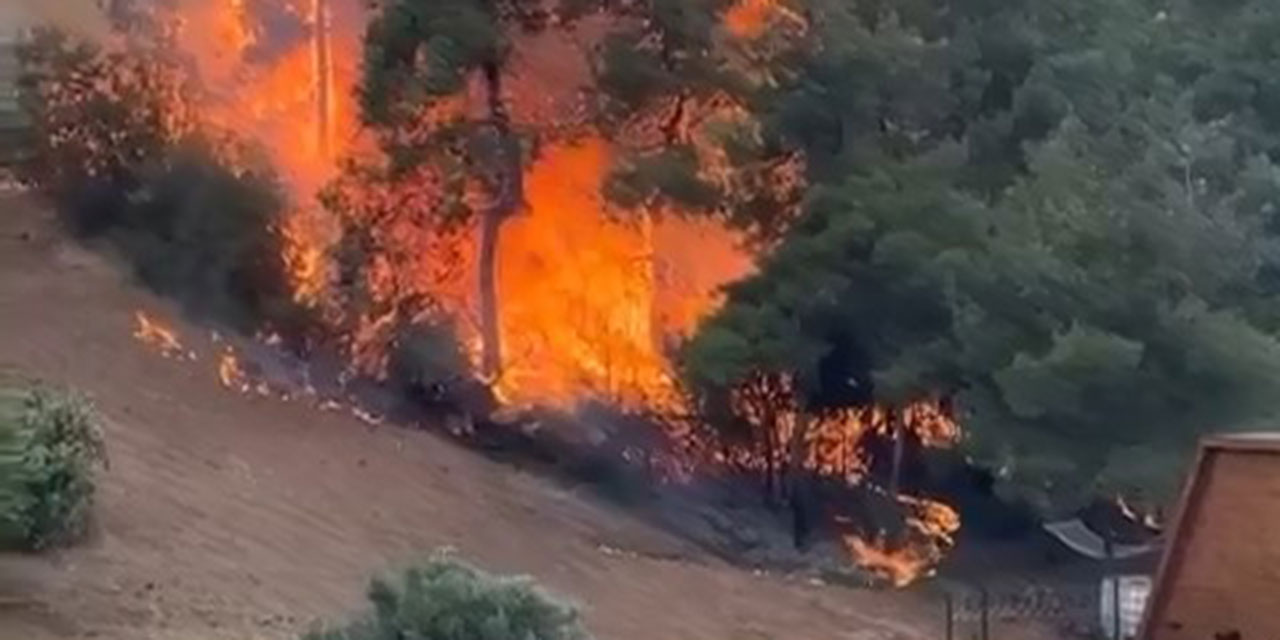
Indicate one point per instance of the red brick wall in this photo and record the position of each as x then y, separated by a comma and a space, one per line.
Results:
1225, 574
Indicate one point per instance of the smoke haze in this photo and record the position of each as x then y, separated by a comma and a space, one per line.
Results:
83, 17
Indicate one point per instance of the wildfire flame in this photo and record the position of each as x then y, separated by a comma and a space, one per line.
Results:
930, 531
583, 294
229, 372
165, 340
749, 18
591, 299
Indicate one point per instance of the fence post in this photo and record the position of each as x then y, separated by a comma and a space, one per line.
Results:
986, 629
950, 616
1115, 592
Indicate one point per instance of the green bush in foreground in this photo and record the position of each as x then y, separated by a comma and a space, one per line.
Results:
50, 447
449, 600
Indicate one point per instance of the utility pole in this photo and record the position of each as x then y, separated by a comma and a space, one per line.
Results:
320, 20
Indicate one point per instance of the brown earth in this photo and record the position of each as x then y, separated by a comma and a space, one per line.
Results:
239, 517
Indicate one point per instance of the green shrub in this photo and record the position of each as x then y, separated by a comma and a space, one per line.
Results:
449, 600
50, 447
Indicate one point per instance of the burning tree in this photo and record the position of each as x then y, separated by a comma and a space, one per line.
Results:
421, 59
484, 110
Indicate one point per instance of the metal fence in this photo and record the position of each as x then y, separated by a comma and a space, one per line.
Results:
976, 612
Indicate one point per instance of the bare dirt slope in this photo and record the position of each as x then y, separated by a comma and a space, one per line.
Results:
228, 516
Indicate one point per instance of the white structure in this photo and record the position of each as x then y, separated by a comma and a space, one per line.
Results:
1134, 591
1084, 541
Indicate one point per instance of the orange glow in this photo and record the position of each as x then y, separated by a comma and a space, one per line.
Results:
156, 335
749, 18
583, 294
276, 89
229, 372
930, 530
304, 236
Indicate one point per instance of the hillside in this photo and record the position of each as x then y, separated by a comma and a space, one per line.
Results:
231, 516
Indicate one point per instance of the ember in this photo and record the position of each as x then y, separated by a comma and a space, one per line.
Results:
229, 372
162, 338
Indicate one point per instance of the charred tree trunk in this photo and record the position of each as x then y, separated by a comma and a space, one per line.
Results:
507, 187
771, 485
895, 470
490, 329
798, 488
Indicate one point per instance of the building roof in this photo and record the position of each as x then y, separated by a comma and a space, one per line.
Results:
1261, 441
1189, 505
1076, 535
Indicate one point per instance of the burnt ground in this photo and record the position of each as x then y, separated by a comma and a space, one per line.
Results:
234, 516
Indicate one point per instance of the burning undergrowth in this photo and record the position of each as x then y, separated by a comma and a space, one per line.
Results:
215, 141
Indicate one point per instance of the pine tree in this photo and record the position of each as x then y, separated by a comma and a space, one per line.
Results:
1060, 217
419, 56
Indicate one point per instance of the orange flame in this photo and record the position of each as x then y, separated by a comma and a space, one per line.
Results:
165, 340
930, 526
229, 372
749, 18
588, 300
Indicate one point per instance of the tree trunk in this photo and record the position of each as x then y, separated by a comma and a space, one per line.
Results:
797, 487
801, 512
490, 329
772, 492
507, 187
895, 472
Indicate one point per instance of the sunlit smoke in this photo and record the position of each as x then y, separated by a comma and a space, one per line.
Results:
84, 18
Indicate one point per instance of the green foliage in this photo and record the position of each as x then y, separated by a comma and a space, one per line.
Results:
669, 174
418, 54
445, 599
418, 51
50, 447
1061, 216
667, 74
672, 50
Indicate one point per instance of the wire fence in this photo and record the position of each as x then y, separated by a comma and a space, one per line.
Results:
977, 612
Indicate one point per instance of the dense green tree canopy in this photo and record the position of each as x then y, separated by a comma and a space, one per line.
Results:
1060, 215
